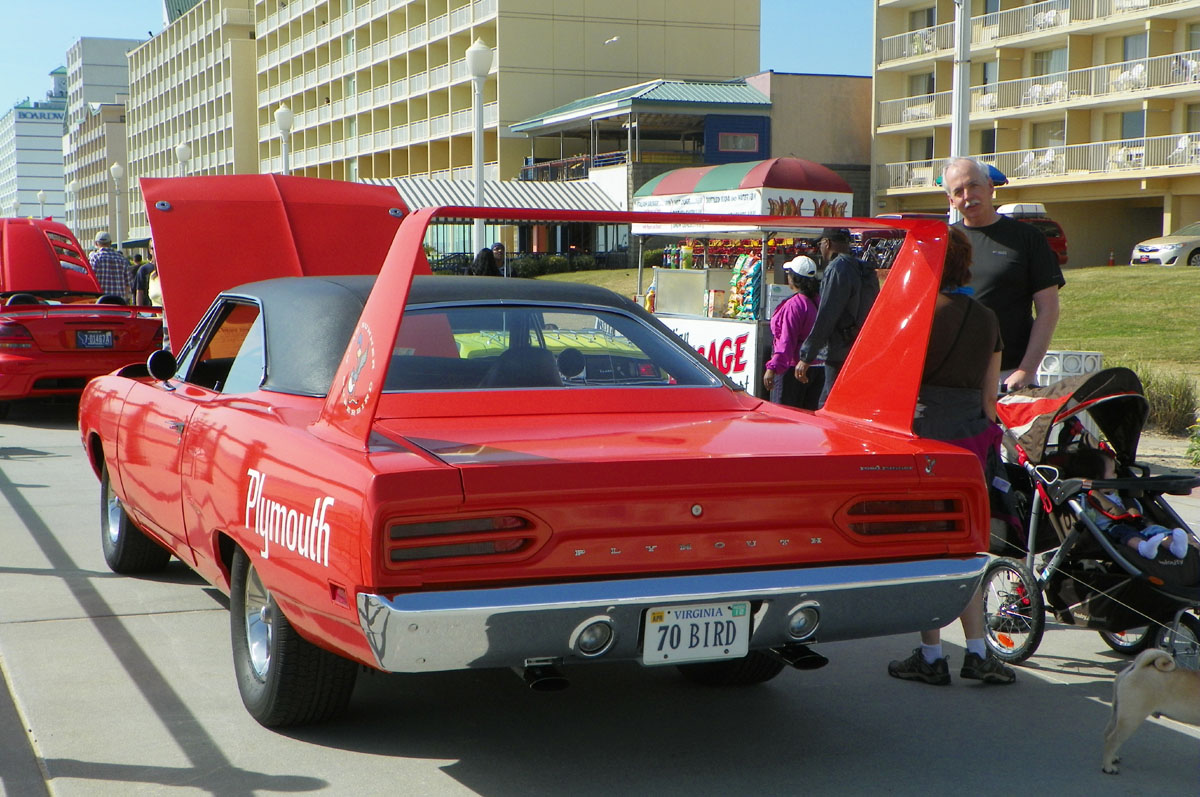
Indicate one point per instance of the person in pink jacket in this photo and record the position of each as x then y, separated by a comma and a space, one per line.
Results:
790, 325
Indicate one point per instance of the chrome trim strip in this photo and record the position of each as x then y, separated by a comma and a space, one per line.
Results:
468, 629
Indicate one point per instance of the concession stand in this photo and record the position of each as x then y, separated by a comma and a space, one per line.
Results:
717, 288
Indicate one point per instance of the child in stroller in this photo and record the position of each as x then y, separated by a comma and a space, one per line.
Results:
1120, 517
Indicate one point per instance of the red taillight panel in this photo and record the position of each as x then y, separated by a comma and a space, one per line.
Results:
457, 541
14, 336
907, 516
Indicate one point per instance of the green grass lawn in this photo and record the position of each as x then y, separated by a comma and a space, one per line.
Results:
1132, 314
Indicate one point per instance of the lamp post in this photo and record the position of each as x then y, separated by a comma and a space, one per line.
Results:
41, 198
183, 153
117, 173
479, 63
283, 121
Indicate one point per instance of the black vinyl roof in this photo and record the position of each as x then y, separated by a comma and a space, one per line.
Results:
308, 321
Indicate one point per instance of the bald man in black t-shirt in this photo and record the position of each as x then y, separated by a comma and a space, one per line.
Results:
1014, 271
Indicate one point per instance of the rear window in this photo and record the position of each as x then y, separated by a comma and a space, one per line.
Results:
1050, 229
496, 347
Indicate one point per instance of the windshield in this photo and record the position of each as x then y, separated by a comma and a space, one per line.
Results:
1191, 229
505, 346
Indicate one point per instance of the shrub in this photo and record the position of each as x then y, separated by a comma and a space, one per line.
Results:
527, 267
556, 264
1172, 399
651, 258
1193, 449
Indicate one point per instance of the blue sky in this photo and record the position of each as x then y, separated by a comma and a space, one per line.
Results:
816, 36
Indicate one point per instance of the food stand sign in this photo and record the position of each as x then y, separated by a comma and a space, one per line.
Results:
731, 346
747, 201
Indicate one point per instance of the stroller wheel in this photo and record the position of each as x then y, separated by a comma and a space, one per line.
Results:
1129, 642
1182, 641
1013, 612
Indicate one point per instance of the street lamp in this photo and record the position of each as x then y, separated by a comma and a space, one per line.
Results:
479, 63
183, 153
283, 121
117, 173
41, 198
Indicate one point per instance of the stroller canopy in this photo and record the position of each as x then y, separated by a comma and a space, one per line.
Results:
1112, 398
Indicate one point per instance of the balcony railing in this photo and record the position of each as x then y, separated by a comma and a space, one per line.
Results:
1120, 158
993, 29
912, 44
1078, 86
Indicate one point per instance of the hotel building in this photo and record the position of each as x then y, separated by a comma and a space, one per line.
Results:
380, 88
31, 156
97, 74
194, 85
1091, 107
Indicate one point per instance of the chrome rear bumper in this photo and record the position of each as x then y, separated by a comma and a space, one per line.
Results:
505, 627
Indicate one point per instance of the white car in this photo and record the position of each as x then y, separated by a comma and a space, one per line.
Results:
1181, 247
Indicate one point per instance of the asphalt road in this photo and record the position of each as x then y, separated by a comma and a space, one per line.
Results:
118, 686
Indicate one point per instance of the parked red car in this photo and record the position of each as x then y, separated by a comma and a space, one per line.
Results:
419, 473
57, 330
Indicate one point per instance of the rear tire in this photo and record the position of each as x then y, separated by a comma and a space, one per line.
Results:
1184, 644
1014, 614
127, 549
1129, 642
755, 668
283, 679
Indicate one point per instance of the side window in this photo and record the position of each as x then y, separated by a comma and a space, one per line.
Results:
235, 337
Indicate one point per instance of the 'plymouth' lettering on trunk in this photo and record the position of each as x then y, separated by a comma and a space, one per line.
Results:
278, 524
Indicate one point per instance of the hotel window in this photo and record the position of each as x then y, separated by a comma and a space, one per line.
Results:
1192, 117
991, 71
1192, 42
925, 18
1048, 134
920, 149
1049, 62
987, 141
991, 6
920, 85
1133, 124
1133, 47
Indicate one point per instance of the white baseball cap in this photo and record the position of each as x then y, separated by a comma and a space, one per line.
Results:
801, 266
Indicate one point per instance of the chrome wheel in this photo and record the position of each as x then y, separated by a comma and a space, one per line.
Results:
260, 627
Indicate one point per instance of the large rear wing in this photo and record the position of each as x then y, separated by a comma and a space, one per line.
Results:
877, 385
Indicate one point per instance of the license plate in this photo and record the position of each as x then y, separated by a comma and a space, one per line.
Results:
1144, 259
93, 339
696, 632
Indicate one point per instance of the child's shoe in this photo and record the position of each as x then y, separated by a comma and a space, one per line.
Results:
1149, 548
1179, 543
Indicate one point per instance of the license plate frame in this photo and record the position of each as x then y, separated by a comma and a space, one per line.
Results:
695, 632
93, 339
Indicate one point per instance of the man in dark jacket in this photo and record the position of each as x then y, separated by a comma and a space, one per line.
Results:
848, 290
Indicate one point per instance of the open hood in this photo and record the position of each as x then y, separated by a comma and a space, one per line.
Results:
38, 255
214, 233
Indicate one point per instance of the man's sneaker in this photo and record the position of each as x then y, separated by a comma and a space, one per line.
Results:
989, 670
915, 668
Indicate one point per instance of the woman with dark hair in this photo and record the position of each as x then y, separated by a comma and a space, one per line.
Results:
484, 264
790, 324
957, 403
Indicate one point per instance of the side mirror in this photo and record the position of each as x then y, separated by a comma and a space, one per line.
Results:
161, 364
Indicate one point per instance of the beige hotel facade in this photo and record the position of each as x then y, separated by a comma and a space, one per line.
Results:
1091, 107
380, 88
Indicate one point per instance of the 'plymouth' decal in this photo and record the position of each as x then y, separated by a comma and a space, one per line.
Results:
305, 534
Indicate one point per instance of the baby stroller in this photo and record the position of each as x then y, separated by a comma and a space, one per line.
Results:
1057, 551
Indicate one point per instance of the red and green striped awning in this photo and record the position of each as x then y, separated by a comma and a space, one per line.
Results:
786, 173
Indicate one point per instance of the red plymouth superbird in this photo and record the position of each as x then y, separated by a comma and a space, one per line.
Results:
57, 329
417, 473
